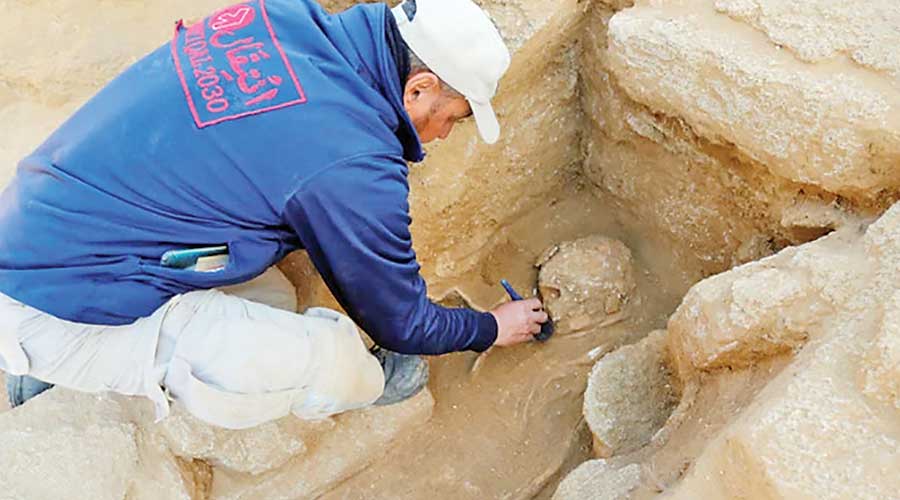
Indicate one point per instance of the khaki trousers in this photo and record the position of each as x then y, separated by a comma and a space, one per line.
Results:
234, 357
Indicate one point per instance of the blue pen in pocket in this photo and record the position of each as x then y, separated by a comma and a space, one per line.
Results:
546, 328
204, 259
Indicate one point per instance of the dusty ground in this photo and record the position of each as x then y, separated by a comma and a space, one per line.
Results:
509, 424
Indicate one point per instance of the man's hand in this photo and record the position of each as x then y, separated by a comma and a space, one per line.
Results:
518, 321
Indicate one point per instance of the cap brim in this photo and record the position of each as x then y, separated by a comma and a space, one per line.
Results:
488, 126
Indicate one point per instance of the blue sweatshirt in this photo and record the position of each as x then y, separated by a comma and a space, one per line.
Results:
268, 127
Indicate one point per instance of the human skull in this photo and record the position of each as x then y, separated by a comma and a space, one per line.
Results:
586, 281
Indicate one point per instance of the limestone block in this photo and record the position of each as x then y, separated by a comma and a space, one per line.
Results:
767, 307
160, 475
586, 281
833, 125
821, 30
256, 450
629, 396
809, 435
717, 206
598, 480
734, 320
880, 372
64, 444
357, 440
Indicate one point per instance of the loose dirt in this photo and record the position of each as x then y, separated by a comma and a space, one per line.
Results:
508, 423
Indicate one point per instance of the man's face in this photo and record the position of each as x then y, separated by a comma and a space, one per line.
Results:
433, 110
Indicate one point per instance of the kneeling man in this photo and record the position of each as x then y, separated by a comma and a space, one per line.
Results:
268, 127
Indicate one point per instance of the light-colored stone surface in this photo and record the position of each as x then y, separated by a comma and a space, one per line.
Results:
64, 444
811, 434
700, 128
833, 125
356, 441
256, 450
717, 209
629, 396
586, 281
827, 426
822, 30
766, 307
880, 371
597, 480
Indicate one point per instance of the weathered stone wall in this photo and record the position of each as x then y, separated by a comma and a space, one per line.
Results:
739, 127
776, 448
825, 423
64, 444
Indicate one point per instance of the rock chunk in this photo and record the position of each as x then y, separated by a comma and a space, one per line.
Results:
810, 434
358, 439
65, 444
820, 30
767, 307
586, 281
254, 450
598, 480
629, 396
833, 125
734, 319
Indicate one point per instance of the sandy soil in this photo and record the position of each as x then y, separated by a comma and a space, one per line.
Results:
508, 423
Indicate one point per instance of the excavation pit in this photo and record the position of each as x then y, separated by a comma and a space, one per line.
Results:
709, 137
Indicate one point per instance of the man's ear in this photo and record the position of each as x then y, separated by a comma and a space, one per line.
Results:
419, 84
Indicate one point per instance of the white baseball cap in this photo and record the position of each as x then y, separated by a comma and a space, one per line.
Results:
460, 44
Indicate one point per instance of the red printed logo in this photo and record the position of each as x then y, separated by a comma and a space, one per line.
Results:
231, 65
232, 18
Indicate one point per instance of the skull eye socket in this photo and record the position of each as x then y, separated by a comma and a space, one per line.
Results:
549, 292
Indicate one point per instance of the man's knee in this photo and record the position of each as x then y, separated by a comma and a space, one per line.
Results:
349, 376
236, 347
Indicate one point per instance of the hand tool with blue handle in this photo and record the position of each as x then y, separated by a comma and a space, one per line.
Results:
186, 258
546, 328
